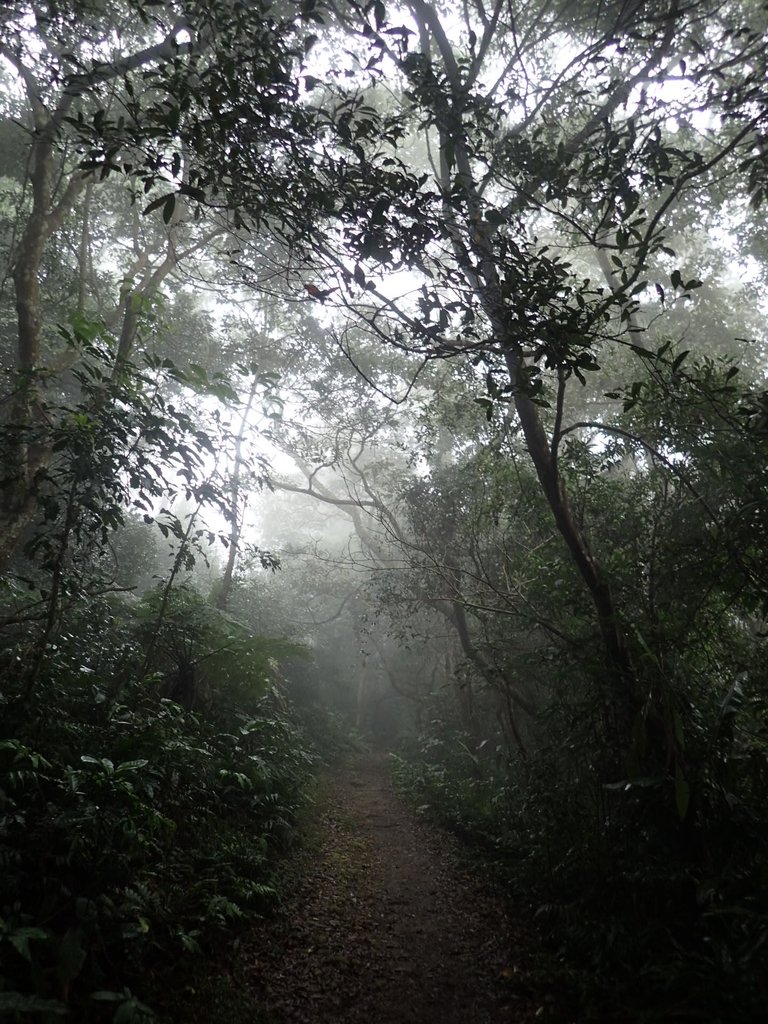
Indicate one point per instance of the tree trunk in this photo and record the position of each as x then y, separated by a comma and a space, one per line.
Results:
544, 460
476, 259
235, 523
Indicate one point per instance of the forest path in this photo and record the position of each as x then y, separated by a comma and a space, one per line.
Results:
384, 927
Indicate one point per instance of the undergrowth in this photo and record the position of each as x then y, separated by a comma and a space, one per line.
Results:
649, 917
134, 831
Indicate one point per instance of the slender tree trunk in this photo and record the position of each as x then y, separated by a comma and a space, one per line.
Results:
544, 458
476, 259
167, 590
84, 250
27, 455
497, 679
235, 517
29, 450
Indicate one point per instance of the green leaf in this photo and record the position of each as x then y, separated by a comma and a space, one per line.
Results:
676, 362
102, 762
160, 201
644, 353
16, 1002
21, 938
487, 404
108, 997
132, 1011
132, 766
71, 955
682, 792
677, 723
168, 207
495, 218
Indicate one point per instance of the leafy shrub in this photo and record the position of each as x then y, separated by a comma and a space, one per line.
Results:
661, 918
132, 829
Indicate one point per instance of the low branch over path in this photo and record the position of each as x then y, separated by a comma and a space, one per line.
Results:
385, 928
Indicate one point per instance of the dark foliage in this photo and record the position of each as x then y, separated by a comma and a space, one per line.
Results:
132, 830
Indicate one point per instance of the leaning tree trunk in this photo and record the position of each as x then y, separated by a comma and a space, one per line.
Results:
475, 257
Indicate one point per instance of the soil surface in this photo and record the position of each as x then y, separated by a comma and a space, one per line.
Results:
385, 927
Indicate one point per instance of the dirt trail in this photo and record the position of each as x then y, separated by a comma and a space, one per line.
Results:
385, 928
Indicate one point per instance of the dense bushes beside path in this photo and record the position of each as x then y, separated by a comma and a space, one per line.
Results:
650, 918
133, 829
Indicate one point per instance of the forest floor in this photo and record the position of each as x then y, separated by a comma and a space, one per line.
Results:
382, 924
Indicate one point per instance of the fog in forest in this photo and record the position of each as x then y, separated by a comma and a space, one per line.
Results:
383, 511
